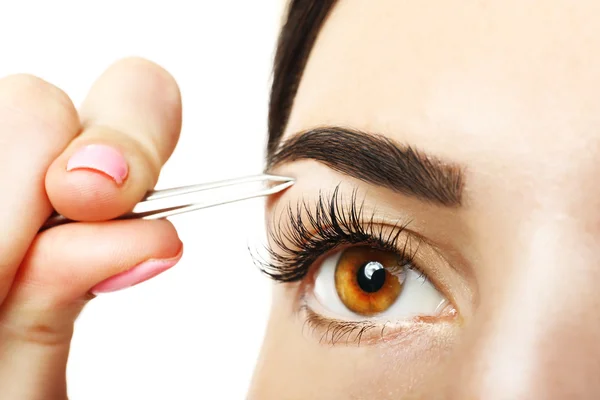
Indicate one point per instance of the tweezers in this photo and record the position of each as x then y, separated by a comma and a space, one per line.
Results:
164, 203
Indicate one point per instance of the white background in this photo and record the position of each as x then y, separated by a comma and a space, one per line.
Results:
193, 332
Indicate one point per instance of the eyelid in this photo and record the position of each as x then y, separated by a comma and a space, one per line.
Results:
310, 233
302, 221
457, 280
454, 279
370, 332
365, 331
328, 328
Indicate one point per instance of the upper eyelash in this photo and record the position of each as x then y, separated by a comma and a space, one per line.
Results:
297, 245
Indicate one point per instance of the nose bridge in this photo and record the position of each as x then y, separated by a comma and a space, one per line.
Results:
536, 332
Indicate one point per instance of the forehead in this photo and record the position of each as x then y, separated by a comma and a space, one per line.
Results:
467, 80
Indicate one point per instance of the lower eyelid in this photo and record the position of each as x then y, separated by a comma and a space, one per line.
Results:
369, 332
364, 331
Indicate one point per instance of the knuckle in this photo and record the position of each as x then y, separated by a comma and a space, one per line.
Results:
146, 72
40, 333
37, 314
35, 98
149, 154
29, 328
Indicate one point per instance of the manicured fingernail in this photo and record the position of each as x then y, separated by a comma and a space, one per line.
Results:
138, 274
100, 158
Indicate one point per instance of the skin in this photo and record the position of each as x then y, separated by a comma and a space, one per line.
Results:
45, 278
509, 90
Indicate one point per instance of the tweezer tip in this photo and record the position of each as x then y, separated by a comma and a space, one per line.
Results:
278, 178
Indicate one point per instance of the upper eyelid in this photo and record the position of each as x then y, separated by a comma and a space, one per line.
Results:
413, 223
332, 221
381, 222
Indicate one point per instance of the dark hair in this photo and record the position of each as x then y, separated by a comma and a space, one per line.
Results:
302, 25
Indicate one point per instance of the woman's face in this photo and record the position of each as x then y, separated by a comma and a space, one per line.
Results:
461, 261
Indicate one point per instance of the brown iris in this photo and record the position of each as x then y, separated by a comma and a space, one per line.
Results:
364, 282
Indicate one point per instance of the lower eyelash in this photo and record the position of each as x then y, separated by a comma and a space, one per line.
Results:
334, 331
333, 223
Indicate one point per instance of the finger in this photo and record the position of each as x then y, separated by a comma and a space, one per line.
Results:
132, 120
37, 121
53, 285
66, 262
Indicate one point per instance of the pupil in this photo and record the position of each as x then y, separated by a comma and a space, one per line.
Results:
371, 276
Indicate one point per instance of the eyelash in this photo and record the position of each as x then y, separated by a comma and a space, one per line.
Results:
331, 225
336, 330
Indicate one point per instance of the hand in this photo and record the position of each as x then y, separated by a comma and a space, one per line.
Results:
91, 166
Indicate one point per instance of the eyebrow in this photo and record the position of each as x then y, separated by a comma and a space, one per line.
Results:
377, 160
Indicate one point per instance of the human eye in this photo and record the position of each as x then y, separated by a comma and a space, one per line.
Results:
364, 281
360, 279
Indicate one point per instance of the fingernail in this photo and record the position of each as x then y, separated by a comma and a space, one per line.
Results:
138, 274
101, 158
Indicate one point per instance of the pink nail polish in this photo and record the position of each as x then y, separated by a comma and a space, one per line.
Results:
101, 158
138, 274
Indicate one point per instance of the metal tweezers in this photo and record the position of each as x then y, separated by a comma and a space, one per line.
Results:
158, 204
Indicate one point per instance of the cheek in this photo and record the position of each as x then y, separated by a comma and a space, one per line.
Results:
401, 368
290, 358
